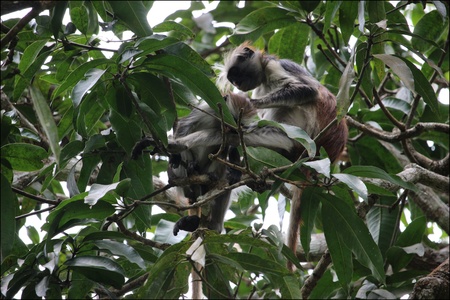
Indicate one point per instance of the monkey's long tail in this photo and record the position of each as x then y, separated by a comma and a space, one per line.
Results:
294, 224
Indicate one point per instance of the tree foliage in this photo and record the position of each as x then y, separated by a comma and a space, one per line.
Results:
71, 115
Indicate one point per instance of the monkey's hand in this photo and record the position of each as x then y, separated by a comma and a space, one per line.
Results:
188, 223
141, 145
176, 147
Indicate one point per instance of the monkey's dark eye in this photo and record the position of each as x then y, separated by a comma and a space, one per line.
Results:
225, 98
248, 52
241, 58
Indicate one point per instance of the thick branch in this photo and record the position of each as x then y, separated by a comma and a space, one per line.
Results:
415, 131
435, 285
38, 7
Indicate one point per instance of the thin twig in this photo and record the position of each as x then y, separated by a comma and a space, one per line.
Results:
36, 212
36, 198
386, 112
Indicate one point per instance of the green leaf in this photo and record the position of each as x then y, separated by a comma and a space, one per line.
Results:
354, 183
30, 67
431, 26
57, 15
97, 191
46, 120
260, 21
152, 91
321, 166
182, 31
33, 234
7, 215
309, 209
78, 74
76, 209
382, 222
121, 249
24, 157
140, 173
374, 172
99, 269
155, 42
341, 254
348, 12
80, 286
330, 11
354, 233
83, 86
162, 274
290, 288
79, 17
343, 96
71, 150
185, 52
290, 42
399, 67
254, 263
299, 135
134, 15
423, 87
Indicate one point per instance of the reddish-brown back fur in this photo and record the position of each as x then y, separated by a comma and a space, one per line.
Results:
335, 138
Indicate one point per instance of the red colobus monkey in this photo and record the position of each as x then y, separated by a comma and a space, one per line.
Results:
200, 134
286, 93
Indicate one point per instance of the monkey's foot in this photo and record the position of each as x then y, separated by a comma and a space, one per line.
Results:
188, 223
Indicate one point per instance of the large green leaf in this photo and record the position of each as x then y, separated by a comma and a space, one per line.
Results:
78, 74
399, 67
382, 223
347, 15
331, 9
354, 234
30, 64
431, 26
24, 157
259, 22
84, 85
97, 191
254, 263
121, 249
309, 208
7, 214
413, 234
412, 77
374, 172
98, 269
354, 183
134, 15
46, 120
290, 42
341, 254
152, 91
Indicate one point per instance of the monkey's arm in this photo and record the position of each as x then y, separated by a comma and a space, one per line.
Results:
290, 94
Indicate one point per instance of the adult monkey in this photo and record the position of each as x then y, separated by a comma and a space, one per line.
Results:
200, 134
285, 92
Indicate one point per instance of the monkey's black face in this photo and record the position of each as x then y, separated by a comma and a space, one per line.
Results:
241, 79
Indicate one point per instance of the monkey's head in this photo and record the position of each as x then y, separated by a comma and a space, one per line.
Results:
244, 68
236, 102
